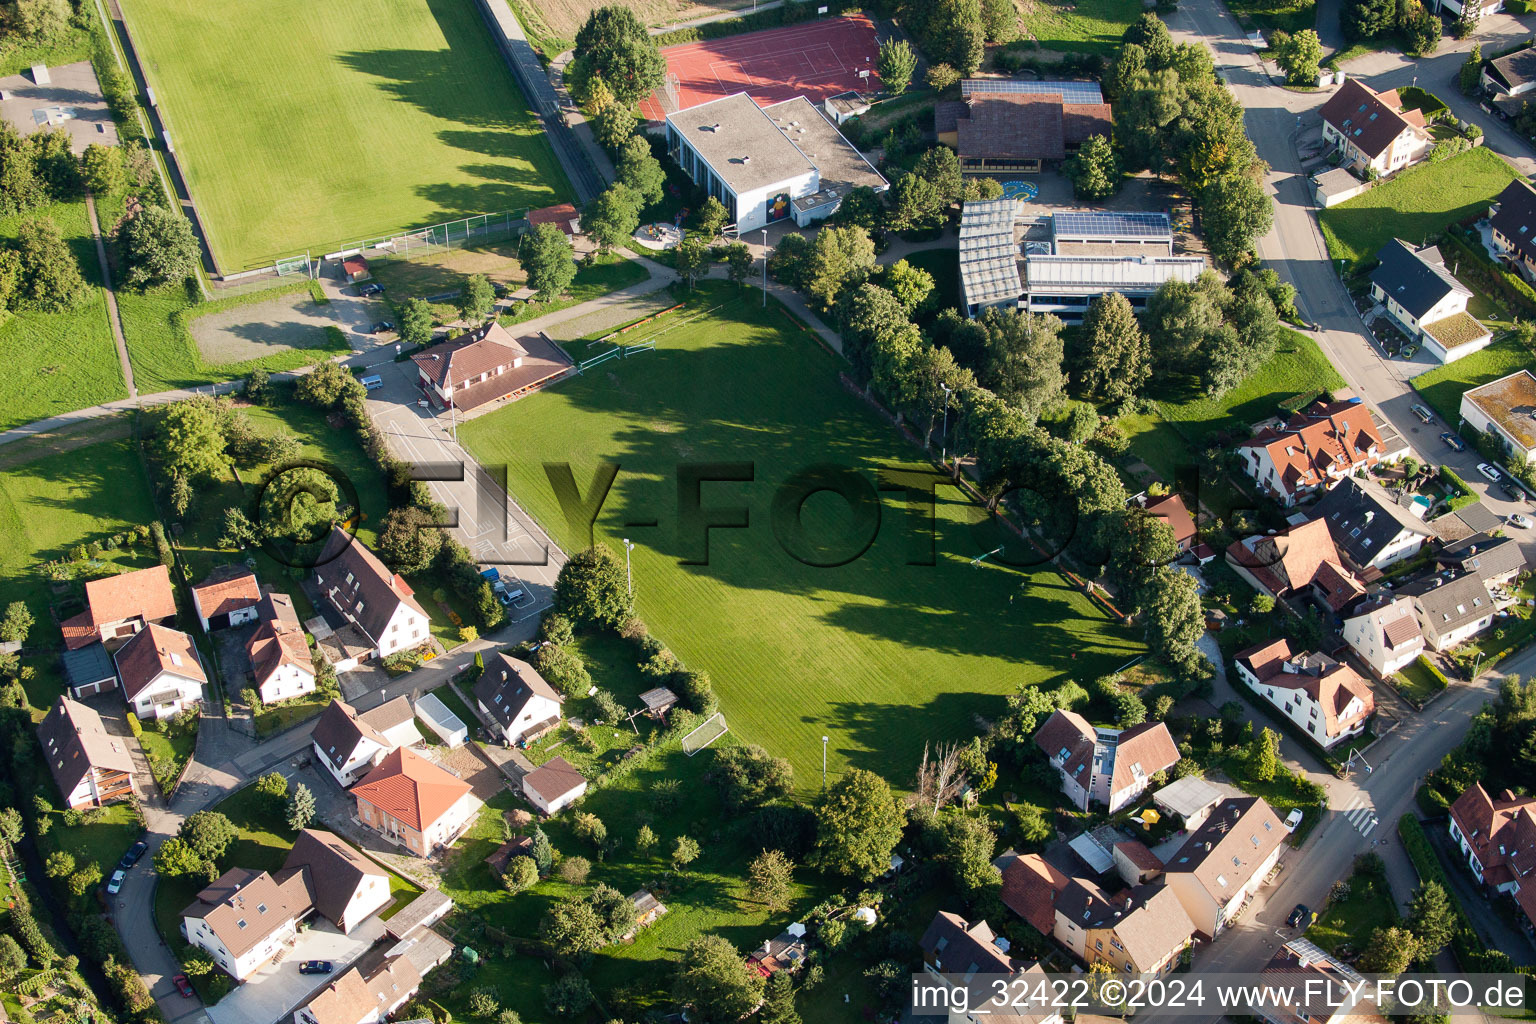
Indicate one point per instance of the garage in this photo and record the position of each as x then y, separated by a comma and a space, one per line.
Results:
89, 671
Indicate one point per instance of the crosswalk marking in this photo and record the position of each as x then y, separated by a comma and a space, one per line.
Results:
1361, 815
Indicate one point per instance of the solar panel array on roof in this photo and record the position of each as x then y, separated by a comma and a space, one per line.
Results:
1070, 92
1096, 274
1104, 225
989, 268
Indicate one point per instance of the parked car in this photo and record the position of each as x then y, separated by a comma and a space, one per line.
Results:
371, 383
1300, 914
182, 985
382, 327
1423, 414
132, 856
1453, 442
1293, 820
1490, 472
1518, 520
371, 289
115, 883
1512, 490
315, 967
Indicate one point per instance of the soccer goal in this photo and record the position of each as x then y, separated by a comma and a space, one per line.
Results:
711, 729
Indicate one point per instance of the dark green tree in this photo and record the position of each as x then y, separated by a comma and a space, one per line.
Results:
301, 504
1236, 212
592, 588
476, 297
1113, 359
415, 322
547, 257
158, 246
859, 823
749, 776
714, 979
610, 220
640, 170
410, 539
49, 278
613, 45
208, 833
1095, 170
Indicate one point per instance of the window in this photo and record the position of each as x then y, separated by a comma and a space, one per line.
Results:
261, 908
1099, 944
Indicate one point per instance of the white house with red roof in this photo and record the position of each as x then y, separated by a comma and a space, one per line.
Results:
1109, 766
371, 597
1175, 514
1313, 451
1384, 633
414, 803
1373, 130
1325, 698
117, 607
228, 597
350, 743
160, 672
1498, 838
280, 656
487, 365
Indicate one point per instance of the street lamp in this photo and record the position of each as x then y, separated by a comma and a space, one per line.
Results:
944, 438
824, 764
765, 268
628, 576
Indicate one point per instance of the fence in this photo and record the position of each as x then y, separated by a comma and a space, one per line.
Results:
451, 234
617, 352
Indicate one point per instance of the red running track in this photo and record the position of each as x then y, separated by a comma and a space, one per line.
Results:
815, 59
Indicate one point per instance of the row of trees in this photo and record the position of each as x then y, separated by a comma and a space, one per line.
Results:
1174, 116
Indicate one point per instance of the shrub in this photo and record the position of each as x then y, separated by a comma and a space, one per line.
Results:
134, 726
575, 870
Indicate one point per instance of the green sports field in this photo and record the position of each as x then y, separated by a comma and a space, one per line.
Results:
878, 654
308, 126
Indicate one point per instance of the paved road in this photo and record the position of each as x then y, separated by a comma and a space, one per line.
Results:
1295, 248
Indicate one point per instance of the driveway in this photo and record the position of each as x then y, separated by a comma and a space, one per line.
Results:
495, 530
276, 990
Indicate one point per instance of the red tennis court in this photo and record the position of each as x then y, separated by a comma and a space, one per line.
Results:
816, 59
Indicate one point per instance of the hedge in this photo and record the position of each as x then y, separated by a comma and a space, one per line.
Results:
1466, 495
1468, 947
1434, 670
134, 726
1512, 285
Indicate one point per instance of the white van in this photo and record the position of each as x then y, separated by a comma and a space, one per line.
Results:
373, 383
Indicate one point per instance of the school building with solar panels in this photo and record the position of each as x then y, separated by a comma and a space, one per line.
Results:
1005, 124
768, 164
1091, 254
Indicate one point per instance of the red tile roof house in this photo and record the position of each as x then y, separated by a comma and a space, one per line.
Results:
1107, 766
412, 802
486, 366
247, 918
355, 269
1326, 698
1172, 511
160, 672
117, 607
228, 597
378, 602
1142, 929
363, 996
90, 766
1315, 450
1498, 838
1300, 562
350, 744
280, 656
1372, 129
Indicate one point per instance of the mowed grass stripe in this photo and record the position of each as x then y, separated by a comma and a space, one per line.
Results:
877, 654
302, 125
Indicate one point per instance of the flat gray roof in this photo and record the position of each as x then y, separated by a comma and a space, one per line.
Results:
70, 102
838, 162
1096, 274
1336, 181
741, 142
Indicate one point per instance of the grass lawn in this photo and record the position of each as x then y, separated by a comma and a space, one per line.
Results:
102, 842
1298, 366
1351, 921
59, 362
399, 114
403, 891
705, 898
1417, 682
277, 717
168, 754
1442, 386
606, 274
1418, 203
164, 354
55, 502
1079, 28
438, 273
878, 654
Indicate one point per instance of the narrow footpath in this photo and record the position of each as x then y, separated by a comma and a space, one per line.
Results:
106, 285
